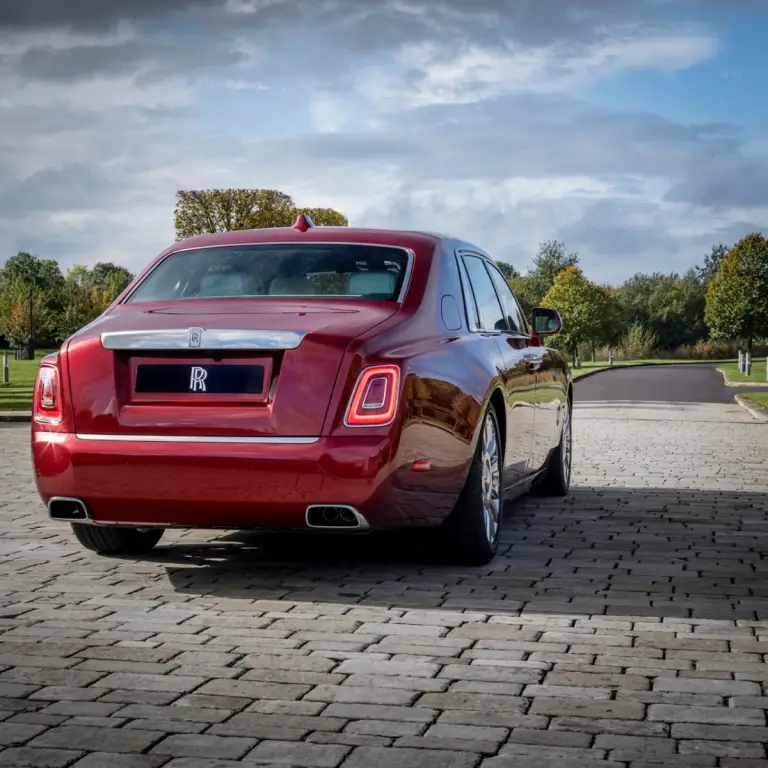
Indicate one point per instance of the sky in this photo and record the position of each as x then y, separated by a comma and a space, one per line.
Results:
635, 132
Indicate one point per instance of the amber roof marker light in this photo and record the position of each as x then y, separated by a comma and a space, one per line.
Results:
304, 222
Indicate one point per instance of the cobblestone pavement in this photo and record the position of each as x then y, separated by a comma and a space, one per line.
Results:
626, 625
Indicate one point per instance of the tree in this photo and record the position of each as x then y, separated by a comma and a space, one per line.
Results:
526, 292
206, 211
584, 307
87, 293
507, 270
548, 263
24, 314
737, 297
712, 262
26, 281
42, 273
109, 277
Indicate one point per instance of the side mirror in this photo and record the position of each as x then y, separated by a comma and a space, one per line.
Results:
546, 321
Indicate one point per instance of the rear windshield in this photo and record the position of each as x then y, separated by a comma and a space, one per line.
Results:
312, 270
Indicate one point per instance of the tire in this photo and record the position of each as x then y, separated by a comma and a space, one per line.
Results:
472, 531
556, 480
108, 540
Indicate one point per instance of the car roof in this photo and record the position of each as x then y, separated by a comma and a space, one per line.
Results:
396, 237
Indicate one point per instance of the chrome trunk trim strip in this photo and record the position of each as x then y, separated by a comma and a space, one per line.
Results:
202, 339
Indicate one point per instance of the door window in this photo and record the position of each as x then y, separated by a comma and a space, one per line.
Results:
515, 316
491, 314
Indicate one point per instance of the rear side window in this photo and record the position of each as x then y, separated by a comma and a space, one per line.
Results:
337, 270
491, 315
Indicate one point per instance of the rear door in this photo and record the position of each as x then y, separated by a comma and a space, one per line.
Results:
493, 322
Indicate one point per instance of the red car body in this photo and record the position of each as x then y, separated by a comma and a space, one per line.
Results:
260, 459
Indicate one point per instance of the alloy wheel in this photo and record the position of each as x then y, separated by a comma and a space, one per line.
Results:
566, 450
491, 478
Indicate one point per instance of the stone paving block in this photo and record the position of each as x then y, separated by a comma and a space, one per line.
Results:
672, 713
27, 757
293, 754
374, 757
417, 714
348, 739
723, 749
114, 760
718, 687
388, 728
13, 734
204, 745
94, 739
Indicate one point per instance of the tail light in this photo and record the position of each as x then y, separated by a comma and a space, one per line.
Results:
47, 405
374, 400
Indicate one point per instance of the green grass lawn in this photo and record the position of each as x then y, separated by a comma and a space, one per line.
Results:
17, 394
760, 399
757, 376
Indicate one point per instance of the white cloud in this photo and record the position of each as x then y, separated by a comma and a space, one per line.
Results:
431, 116
430, 73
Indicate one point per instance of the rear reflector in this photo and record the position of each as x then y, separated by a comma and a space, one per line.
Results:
374, 400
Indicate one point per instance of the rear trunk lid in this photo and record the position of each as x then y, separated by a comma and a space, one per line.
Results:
214, 367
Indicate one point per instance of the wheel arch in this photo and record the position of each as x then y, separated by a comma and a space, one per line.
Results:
498, 403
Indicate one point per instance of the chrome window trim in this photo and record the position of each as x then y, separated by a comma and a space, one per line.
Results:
208, 439
175, 339
467, 294
400, 297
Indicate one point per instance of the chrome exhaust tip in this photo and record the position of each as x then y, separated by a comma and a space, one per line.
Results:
68, 510
335, 517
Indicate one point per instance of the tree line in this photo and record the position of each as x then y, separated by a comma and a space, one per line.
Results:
702, 313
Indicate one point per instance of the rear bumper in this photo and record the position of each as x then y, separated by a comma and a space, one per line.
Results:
195, 484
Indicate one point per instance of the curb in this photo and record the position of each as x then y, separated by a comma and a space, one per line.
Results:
747, 384
757, 413
15, 417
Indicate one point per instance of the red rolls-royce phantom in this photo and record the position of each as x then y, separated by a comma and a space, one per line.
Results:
306, 377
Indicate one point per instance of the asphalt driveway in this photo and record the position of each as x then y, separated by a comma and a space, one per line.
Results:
684, 383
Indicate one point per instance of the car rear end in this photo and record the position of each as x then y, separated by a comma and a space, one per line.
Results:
230, 388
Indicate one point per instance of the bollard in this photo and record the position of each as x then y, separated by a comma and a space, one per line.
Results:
748, 364
6, 369
741, 362
610, 358
578, 362
766, 367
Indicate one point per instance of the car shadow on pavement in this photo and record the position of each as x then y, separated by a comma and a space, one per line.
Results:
665, 552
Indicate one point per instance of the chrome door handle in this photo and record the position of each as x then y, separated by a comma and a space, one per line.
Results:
534, 365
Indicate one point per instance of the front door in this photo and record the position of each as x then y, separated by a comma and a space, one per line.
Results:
494, 317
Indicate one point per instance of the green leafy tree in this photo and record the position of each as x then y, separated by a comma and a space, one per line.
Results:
206, 211
549, 262
526, 292
584, 307
24, 313
507, 270
676, 309
712, 262
109, 277
87, 293
26, 280
737, 297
